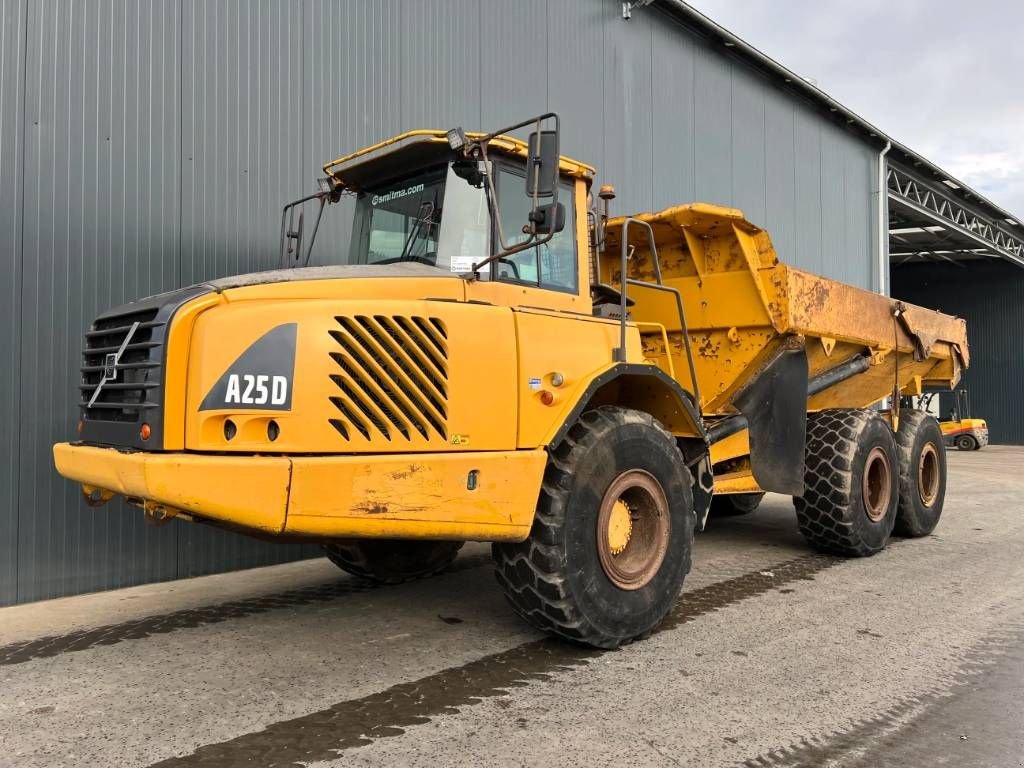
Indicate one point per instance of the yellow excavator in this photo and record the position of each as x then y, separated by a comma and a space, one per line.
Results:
494, 357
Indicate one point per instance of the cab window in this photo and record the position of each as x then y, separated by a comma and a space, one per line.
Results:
550, 265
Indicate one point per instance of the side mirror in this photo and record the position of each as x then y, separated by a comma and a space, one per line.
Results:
542, 164
548, 219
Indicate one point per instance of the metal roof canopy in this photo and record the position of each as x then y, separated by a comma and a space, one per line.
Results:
928, 223
932, 215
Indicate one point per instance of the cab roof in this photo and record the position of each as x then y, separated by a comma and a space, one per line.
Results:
395, 156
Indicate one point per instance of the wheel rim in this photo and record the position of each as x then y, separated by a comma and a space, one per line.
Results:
928, 475
964, 442
877, 484
633, 528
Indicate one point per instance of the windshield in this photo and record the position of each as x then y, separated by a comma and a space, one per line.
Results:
438, 216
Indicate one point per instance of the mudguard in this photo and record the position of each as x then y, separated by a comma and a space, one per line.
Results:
775, 406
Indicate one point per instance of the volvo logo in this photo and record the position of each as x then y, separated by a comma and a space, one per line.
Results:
110, 367
110, 364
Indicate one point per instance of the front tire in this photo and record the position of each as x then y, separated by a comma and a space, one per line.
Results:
849, 502
922, 458
392, 561
612, 537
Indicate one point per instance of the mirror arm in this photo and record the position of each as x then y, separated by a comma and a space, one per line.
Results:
504, 251
284, 222
511, 251
316, 228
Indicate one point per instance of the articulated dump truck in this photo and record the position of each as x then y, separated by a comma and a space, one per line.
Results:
493, 357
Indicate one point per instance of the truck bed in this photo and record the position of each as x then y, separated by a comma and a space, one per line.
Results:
742, 305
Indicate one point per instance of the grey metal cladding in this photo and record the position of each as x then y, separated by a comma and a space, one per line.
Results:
990, 296
147, 146
628, 107
780, 174
203, 550
440, 57
672, 57
712, 140
241, 118
749, 189
100, 228
575, 81
525, 93
808, 173
12, 141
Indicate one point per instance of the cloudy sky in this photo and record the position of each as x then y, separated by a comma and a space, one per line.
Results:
944, 77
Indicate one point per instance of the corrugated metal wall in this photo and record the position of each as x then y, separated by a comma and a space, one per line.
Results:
149, 145
990, 296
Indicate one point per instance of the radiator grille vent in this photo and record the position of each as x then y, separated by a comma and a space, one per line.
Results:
126, 396
391, 378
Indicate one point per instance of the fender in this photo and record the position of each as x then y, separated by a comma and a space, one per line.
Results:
649, 389
645, 388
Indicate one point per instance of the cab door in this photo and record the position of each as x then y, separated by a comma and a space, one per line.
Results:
551, 276
548, 289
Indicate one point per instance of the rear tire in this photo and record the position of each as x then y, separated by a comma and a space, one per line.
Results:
966, 443
734, 504
851, 472
922, 458
611, 540
392, 561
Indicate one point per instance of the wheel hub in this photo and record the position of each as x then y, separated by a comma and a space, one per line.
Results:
877, 484
620, 527
633, 527
928, 474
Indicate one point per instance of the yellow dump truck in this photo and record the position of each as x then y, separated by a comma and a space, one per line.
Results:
492, 357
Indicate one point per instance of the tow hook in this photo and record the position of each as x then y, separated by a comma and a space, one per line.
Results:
160, 514
96, 497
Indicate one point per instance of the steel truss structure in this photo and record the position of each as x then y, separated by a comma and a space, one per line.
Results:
960, 231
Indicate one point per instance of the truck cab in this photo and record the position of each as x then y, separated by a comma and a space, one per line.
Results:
449, 342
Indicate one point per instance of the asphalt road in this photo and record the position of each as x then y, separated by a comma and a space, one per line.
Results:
774, 657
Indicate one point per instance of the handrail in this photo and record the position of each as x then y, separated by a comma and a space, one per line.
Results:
620, 353
664, 338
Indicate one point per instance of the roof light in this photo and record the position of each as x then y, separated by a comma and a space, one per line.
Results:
326, 184
1012, 223
951, 184
456, 138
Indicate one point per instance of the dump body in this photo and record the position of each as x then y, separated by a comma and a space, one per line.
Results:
742, 306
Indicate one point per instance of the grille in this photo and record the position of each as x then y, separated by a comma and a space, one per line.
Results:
127, 396
392, 378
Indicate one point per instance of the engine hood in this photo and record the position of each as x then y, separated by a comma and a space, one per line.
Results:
358, 271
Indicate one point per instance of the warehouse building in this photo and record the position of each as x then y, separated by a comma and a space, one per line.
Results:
146, 146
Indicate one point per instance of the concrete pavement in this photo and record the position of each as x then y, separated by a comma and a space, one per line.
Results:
774, 656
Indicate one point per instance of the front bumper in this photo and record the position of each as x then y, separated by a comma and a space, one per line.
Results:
489, 496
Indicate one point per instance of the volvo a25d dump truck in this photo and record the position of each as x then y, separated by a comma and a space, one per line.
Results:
491, 357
